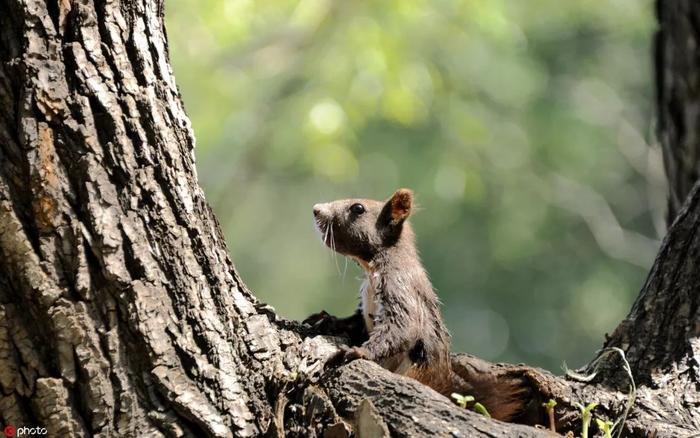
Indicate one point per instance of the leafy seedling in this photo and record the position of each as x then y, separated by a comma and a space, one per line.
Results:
481, 409
462, 400
603, 356
606, 426
549, 406
586, 417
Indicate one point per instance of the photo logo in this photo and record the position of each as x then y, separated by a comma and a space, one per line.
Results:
12, 431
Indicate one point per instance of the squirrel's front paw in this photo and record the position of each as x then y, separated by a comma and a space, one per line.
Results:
348, 354
352, 353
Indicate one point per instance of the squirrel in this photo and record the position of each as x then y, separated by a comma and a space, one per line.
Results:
398, 323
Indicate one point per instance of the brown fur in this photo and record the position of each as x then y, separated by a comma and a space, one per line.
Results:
399, 308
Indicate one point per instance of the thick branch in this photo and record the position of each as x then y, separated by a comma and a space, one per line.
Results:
409, 408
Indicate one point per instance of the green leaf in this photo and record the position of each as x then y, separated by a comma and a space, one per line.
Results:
462, 400
481, 409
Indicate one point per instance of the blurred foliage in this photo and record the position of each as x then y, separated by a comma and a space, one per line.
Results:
521, 126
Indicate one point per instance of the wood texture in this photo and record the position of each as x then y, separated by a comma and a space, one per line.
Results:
677, 59
122, 313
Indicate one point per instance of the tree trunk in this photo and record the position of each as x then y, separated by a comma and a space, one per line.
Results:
677, 53
122, 314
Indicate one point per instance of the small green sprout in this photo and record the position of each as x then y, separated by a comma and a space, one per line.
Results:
586, 417
550, 413
481, 409
605, 426
462, 400
592, 371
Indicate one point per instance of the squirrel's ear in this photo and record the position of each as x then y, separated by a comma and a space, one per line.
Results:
399, 206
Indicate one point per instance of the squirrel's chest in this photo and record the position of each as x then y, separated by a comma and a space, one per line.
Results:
371, 305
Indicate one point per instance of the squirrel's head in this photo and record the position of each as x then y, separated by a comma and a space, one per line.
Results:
360, 228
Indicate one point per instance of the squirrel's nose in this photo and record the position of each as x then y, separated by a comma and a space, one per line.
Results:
317, 210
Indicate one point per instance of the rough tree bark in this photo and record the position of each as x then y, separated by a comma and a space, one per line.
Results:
677, 54
122, 314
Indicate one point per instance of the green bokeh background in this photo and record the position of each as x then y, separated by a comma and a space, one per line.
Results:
522, 126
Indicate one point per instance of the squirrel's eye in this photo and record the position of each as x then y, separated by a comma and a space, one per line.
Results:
357, 208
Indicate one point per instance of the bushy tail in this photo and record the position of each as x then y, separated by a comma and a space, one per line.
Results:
505, 392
